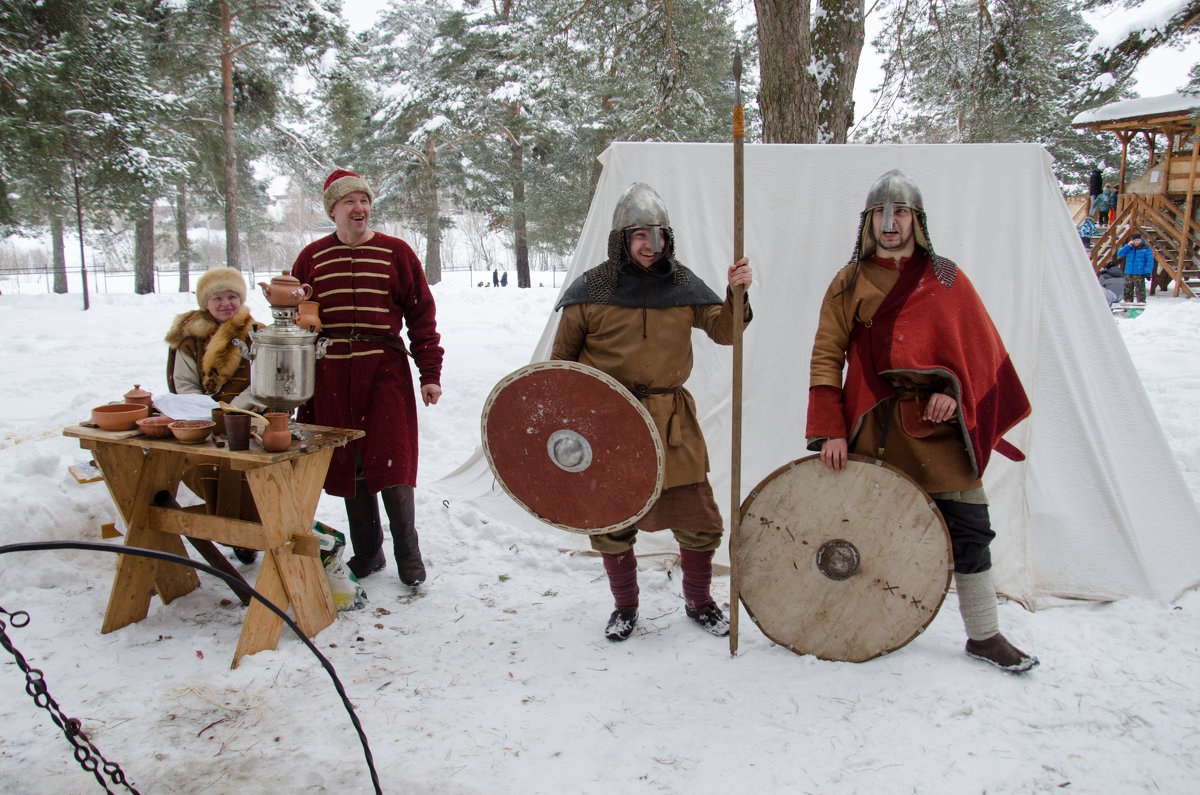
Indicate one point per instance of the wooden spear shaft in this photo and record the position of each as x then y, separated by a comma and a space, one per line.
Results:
735, 450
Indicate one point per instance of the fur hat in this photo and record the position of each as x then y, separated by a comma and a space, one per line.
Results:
340, 183
218, 280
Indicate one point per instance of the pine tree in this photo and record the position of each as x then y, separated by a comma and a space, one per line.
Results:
1121, 58
1002, 71
74, 99
419, 123
240, 57
808, 62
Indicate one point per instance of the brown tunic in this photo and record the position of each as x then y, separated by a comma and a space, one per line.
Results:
651, 347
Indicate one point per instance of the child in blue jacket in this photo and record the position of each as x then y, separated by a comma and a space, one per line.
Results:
1139, 264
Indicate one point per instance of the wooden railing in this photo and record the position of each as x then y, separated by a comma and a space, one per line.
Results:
1160, 220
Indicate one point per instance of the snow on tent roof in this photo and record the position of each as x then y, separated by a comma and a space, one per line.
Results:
1137, 108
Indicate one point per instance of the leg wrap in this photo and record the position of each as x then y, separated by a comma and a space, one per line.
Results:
977, 604
622, 577
697, 577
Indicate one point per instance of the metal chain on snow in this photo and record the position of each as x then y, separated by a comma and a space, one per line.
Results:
86, 754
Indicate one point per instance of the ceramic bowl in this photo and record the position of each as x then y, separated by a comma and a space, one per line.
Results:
119, 416
192, 431
155, 427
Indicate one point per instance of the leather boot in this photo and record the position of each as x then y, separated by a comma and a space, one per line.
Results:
400, 505
366, 532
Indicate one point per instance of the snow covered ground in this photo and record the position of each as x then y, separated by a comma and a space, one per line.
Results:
495, 676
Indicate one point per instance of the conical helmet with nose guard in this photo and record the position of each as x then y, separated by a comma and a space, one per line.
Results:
640, 207
893, 189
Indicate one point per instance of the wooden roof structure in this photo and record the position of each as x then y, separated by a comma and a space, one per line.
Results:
1162, 202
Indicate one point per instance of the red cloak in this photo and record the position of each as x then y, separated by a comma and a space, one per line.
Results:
932, 321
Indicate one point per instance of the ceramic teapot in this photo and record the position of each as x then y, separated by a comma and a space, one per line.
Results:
285, 290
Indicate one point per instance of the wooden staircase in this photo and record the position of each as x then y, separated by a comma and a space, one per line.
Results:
1161, 222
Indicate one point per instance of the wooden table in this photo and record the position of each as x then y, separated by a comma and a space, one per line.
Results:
286, 487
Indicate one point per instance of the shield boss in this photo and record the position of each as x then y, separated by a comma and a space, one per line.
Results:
844, 566
573, 447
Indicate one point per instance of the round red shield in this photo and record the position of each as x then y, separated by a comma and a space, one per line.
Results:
573, 447
842, 565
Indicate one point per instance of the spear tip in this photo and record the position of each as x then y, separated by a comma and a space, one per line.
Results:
737, 64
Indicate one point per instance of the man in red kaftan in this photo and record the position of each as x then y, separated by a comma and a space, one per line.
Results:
370, 287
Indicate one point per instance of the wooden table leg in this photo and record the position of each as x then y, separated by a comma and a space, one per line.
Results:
208, 550
286, 495
261, 628
133, 479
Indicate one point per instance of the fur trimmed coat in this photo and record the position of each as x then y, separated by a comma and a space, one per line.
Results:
219, 369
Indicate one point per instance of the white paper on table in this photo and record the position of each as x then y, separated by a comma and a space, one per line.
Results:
185, 407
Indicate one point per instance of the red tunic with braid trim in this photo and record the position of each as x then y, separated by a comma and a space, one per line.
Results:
375, 288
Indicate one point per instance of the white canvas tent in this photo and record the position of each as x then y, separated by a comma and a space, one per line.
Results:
1073, 521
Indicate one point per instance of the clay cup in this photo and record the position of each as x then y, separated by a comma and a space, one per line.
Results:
237, 430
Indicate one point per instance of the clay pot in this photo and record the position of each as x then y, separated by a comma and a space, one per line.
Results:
285, 290
119, 416
139, 395
192, 431
155, 427
309, 316
277, 437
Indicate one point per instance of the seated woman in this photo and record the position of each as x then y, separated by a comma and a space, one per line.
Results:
202, 360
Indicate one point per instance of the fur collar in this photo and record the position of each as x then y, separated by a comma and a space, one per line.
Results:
197, 323
219, 360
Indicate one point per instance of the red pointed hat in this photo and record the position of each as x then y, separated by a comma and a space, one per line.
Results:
341, 182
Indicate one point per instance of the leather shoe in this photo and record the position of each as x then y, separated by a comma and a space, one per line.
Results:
1002, 654
621, 623
710, 618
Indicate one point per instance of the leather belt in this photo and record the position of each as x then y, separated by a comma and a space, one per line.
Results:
641, 390
391, 340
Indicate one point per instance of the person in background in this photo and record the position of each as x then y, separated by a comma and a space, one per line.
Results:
1100, 209
1087, 230
370, 287
201, 360
1109, 200
1095, 183
1139, 264
929, 388
1112, 281
632, 317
